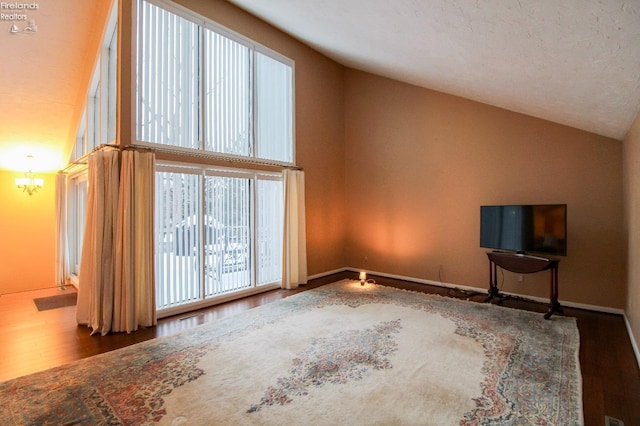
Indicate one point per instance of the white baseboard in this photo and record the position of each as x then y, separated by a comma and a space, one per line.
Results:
421, 281
568, 304
596, 308
565, 303
634, 344
327, 273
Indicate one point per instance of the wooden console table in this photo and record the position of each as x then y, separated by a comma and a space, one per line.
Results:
524, 264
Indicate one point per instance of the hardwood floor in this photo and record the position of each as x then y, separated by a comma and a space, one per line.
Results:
31, 341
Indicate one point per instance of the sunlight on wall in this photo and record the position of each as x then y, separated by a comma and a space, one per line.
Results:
390, 238
27, 224
47, 158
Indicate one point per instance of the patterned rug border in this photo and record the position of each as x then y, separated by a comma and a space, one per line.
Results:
219, 322
229, 325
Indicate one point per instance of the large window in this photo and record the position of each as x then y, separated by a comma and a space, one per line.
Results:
213, 229
201, 87
97, 126
98, 123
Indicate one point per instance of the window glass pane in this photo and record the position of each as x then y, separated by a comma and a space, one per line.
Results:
177, 238
168, 78
93, 114
76, 218
97, 124
274, 126
269, 223
208, 230
112, 72
227, 99
228, 235
79, 148
199, 88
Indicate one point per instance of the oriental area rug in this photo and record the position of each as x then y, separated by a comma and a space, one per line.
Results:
338, 354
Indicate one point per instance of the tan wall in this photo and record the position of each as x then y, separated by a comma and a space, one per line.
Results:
27, 223
27, 226
632, 220
319, 121
420, 163
396, 174
84, 74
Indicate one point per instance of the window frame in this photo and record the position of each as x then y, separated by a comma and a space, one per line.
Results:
203, 171
76, 212
98, 122
255, 47
97, 125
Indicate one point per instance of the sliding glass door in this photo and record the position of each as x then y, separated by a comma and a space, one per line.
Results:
217, 232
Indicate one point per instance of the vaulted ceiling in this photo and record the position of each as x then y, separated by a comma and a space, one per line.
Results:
574, 62
46, 58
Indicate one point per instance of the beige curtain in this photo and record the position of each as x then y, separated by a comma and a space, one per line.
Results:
134, 303
96, 278
116, 290
62, 250
294, 270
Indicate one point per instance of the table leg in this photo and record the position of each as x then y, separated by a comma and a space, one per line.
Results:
554, 305
493, 282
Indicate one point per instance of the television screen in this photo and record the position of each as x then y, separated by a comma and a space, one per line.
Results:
525, 228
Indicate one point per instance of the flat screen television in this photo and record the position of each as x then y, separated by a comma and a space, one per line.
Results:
540, 228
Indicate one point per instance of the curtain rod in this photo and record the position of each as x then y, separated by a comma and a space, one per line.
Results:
167, 150
213, 156
83, 159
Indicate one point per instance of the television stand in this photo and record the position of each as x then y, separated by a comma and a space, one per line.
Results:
524, 264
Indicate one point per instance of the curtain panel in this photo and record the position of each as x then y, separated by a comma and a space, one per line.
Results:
116, 272
62, 248
96, 278
294, 271
134, 292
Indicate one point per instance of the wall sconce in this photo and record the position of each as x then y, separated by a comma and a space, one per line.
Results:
363, 277
29, 183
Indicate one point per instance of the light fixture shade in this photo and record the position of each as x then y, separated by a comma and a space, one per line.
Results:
28, 183
22, 182
363, 275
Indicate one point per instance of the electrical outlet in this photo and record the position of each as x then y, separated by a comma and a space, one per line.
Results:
520, 278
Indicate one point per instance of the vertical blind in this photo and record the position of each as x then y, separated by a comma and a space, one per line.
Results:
274, 109
227, 241
177, 235
168, 87
227, 101
202, 87
211, 237
269, 224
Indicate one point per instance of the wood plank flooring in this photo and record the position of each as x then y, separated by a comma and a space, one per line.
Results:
32, 341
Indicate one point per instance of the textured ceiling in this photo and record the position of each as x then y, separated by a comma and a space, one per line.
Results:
41, 77
574, 62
